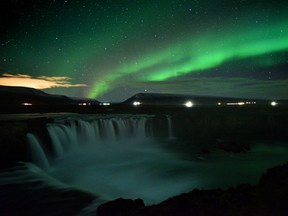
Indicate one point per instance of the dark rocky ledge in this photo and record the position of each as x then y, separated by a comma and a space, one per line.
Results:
269, 197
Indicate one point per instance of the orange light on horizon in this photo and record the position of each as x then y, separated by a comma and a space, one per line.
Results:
43, 82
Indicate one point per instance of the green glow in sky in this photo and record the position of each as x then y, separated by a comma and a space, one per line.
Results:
200, 54
118, 48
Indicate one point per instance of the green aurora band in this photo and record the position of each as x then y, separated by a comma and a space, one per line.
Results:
196, 55
116, 31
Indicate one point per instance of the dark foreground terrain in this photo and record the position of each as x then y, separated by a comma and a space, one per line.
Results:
269, 197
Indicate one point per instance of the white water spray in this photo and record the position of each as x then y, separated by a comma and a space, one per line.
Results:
113, 157
117, 157
170, 128
38, 155
74, 134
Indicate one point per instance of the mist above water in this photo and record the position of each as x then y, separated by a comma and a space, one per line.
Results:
120, 157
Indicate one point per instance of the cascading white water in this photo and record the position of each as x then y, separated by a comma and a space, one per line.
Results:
170, 128
76, 133
118, 157
108, 155
37, 153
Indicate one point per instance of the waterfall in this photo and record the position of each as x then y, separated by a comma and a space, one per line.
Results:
131, 156
38, 155
170, 128
112, 156
70, 134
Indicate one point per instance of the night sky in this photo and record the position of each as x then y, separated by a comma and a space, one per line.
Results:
110, 50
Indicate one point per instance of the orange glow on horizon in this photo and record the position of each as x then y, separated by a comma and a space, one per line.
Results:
42, 82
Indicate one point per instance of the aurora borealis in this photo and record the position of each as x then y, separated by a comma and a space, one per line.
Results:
111, 49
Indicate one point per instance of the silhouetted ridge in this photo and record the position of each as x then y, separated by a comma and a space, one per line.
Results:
177, 99
11, 95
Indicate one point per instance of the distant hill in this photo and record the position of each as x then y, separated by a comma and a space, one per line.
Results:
10, 95
14, 96
176, 99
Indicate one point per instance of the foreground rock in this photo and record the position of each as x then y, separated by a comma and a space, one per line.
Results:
268, 198
120, 207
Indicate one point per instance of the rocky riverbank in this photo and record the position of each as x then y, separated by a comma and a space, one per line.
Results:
268, 198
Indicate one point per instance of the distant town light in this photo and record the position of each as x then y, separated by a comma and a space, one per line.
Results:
219, 103
250, 102
27, 104
105, 104
238, 103
188, 104
136, 103
273, 103
84, 104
